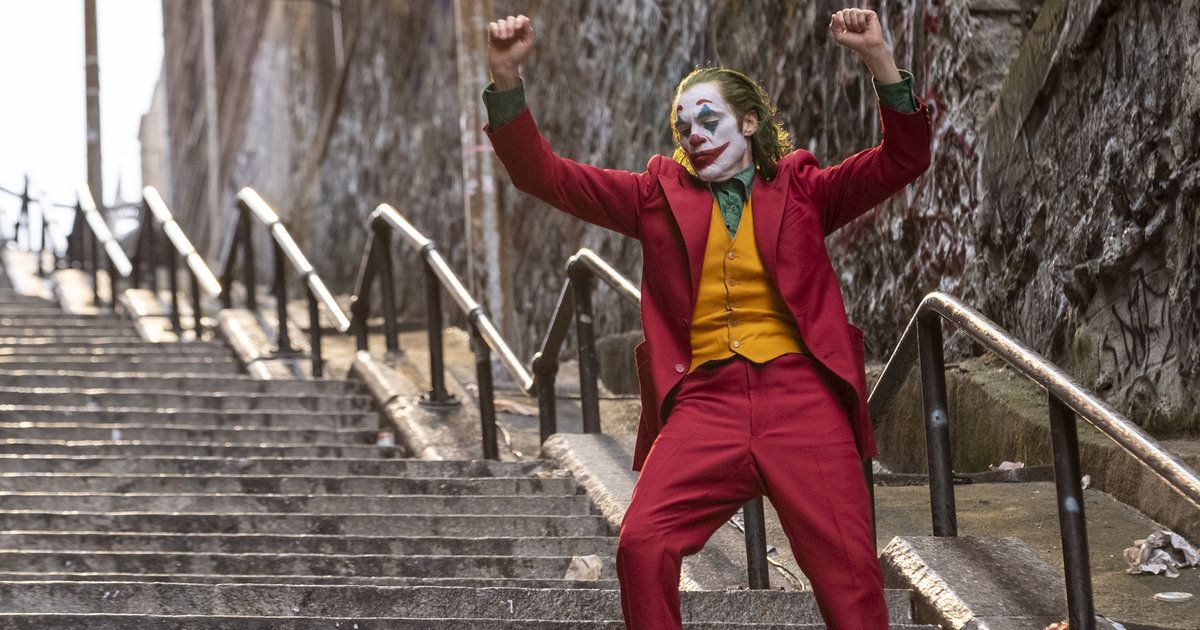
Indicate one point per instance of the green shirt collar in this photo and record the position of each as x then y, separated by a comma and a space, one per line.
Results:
741, 183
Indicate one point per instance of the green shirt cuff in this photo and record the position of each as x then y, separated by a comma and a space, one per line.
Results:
504, 106
898, 95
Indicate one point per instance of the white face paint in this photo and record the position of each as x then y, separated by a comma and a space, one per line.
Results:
709, 133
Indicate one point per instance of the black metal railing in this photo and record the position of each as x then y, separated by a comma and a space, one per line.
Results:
251, 206
94, 236
922, 343
149, 258
24, 219
574, 303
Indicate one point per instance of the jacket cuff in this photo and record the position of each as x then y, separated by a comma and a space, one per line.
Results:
503, 106
899, 95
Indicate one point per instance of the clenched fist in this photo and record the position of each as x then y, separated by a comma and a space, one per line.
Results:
857, 29
510, 41
860, 31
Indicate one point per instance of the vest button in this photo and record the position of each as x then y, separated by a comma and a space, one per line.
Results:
679, 368
737, 344
732, 255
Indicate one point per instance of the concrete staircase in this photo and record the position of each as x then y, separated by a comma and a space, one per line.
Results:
149, 485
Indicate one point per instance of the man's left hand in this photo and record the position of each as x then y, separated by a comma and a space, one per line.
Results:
857, 29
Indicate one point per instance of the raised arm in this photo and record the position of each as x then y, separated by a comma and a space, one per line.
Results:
606, 197
865, 179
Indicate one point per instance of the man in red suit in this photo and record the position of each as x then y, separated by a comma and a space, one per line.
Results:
752, 380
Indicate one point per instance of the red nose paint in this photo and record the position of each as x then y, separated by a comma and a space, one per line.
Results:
696, 139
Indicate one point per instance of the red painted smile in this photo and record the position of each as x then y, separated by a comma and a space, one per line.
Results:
701, 159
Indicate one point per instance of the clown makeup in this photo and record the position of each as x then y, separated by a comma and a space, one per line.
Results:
709, 133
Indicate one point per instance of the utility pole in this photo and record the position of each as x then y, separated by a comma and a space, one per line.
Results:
487, 275
212, 135
92, 77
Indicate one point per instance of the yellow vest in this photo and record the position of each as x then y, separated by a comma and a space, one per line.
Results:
738, 309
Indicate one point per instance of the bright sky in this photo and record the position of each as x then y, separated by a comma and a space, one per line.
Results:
42, 107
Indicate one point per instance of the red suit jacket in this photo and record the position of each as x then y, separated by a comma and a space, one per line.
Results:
668, 210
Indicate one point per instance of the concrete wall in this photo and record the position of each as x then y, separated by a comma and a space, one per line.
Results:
1069, 216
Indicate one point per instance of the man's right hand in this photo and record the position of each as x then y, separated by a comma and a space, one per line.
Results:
510, 41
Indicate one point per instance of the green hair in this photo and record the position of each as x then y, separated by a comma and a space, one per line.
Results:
768, 144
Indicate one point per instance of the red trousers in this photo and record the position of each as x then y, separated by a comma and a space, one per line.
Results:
739, 429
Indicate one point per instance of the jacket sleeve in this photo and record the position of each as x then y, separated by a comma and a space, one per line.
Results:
864, 180
608, 198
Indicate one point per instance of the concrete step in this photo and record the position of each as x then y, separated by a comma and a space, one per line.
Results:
194, 449
104, 621
132, 464
283, 484
13, 302
270, 418
178, 382
106, 342
290, 524
154, 433
50, 337
321, 544
429, 602
140, 348
543, 567
66, 333
531, 505
60, 319
335, 580
165, 398
179, 364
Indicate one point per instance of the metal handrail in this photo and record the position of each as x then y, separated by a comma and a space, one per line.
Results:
155, 213
575, 301
251, 204
88, 219
43, 231
922, 342
458, 292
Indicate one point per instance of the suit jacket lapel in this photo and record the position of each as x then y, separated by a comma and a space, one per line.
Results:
691, 204
767, 199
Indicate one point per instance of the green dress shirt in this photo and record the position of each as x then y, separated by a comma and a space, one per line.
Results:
732, 193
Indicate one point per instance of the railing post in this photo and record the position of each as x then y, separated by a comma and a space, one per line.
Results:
437, 396
387, 287
75, 240
197, 314
314, 332
546, 376
1071, 520
94, 266
248, 261
937, 424
152, 250
41, 257
755, 524
283, 339
139, 251
483, 376
361, 340
111, 271
173, 283
585, 334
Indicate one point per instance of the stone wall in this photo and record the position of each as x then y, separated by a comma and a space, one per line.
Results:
1080, 236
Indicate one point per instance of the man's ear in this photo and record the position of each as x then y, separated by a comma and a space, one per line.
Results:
749, 123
